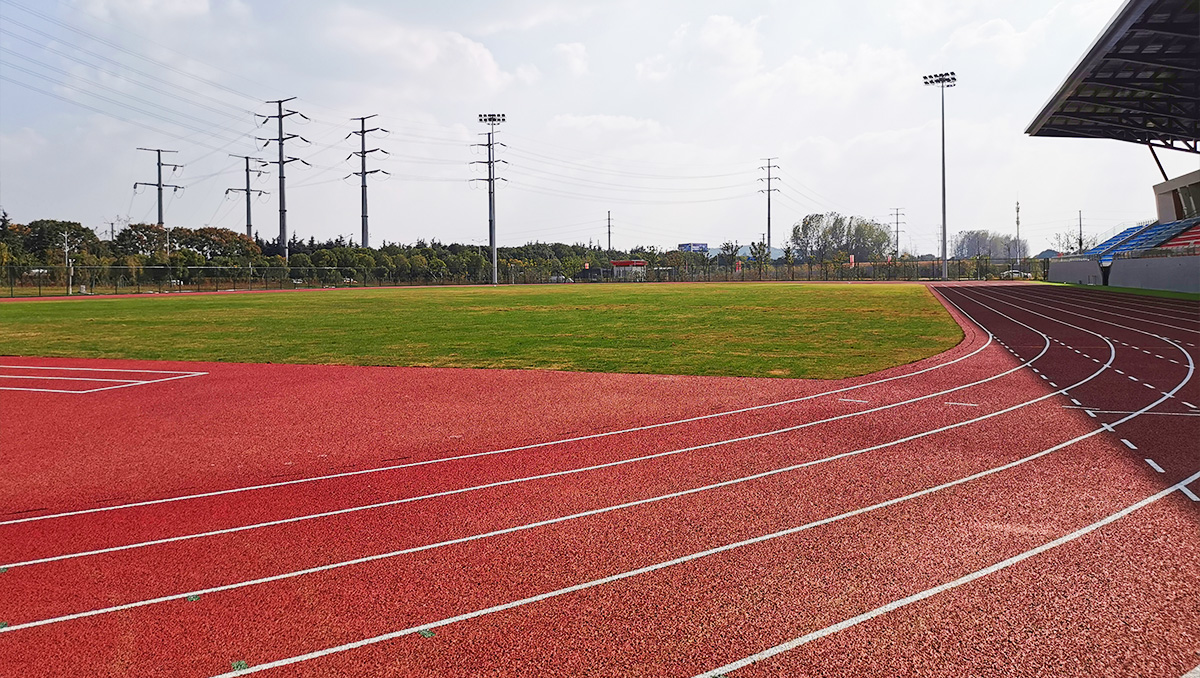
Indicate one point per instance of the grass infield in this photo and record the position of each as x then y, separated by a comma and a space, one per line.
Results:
769, 330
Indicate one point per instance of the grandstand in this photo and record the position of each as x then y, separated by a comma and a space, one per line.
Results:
1139, 83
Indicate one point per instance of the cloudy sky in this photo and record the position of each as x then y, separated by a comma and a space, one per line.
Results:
661, 112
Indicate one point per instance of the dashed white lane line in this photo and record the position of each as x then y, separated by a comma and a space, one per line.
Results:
1044, 377
1187, 404
964, 404
1159, 357
1129, 444
1036, 370
1190, 495
1091, 414
1147, 385
1132, 378
1054, 384
1119, 371
1076, 402
1155, 466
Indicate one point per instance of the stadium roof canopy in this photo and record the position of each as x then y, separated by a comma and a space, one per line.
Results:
1139, 82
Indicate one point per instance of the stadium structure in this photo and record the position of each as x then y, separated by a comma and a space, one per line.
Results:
1139, 83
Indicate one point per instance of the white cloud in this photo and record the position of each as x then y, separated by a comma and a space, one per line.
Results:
157, 8
726, 45
654, 69
1003, 43
528, 74
575, 56
552, 14
442, 60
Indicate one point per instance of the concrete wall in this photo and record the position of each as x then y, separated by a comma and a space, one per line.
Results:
1179, 274
1080, 272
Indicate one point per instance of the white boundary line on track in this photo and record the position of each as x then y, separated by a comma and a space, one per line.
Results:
96, 369
346, 474
941, 588
1091, 305
554, 474
721, 549
120, 383
1035, 297
33, 377
426, 547
1119, 300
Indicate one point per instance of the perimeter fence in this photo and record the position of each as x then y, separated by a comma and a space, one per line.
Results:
46, 281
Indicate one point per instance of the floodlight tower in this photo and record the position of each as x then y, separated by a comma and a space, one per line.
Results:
942, 81
491, 120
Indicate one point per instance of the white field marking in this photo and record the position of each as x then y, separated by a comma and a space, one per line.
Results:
1153, 465
1140, 306
1077, 351
1128, 444
1077, 402
1190, 495
1148, 414
381, 469
94, 369
1132, 378
1094, 360
1091, 414
32, 377
366, 559
1035, 371
941, 588
1173, 360
851, 400
1109, 427
554, 474
1147, 385
964, 404
1044, 377
1189, 405
1159, 357
1107, 322
1120, 372
1054, 384
101, 388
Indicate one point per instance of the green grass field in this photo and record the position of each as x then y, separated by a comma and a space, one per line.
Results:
772, 330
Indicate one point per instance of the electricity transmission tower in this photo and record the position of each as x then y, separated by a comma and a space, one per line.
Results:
769, 190
898, 212
250, 192
280, 139
491, 120
159, 184
362, 155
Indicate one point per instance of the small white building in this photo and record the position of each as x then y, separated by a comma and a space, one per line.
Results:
630, 270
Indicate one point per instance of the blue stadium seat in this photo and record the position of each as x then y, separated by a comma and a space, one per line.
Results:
1112, 242
1151, 237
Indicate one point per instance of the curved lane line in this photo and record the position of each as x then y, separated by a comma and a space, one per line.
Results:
426, 547
635, 429
514, 481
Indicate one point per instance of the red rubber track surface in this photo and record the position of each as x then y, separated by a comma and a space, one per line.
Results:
918, 477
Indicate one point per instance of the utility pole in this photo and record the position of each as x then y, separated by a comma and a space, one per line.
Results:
362, 132
898, 212
1081, 231
159, 184
491, 120
610, 231
280, 114
67, 263
111, 228
769, 190
250, 193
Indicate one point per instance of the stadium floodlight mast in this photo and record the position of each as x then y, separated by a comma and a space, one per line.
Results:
491, 120
942, 81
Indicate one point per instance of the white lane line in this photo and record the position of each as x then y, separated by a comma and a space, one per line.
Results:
1159, 357
1077, 402
346, 474
1118, 371
964, 404
941, 588
1094, 360
1054, 384
1109, 428
1189, 405
1148, 414
1044, 377
1128, 444
1153, 465
1174, 361
365, 559
1190, 495
851, 400
1036, 371
1147, 385
554, 474
1132, 378
1091, 414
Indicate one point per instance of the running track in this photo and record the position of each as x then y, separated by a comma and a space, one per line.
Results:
1024, 504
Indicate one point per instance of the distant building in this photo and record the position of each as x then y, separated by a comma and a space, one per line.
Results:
701, 247
629, 270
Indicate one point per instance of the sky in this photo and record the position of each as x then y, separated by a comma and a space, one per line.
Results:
662, 113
